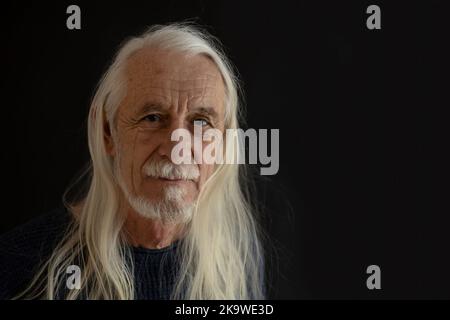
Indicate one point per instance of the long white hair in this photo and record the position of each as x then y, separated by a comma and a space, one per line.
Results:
220, 256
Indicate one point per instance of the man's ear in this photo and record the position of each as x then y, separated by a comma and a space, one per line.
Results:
108, 139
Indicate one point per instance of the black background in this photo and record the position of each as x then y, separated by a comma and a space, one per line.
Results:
361, 114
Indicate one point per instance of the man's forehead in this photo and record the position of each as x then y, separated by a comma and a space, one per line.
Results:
178, 69
203, 85
167, 91
151, 79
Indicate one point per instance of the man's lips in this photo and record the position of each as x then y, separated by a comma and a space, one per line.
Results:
172, 179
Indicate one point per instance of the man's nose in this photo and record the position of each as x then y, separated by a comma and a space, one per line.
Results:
166, 146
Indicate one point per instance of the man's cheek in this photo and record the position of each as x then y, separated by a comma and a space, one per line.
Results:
130, 159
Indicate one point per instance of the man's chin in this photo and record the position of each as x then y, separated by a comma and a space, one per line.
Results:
168, 212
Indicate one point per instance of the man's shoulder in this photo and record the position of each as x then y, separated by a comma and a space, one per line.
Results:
25, 248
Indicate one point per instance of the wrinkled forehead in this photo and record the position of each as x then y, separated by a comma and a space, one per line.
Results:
160, 72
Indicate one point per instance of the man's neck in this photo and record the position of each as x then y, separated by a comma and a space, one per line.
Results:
149, 233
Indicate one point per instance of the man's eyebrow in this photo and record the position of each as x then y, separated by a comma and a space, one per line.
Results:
150, 107
205, 111
156, 106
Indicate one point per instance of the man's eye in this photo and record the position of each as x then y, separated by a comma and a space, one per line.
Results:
201, 122
153, 118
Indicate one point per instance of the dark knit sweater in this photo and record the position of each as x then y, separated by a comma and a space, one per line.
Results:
23, 250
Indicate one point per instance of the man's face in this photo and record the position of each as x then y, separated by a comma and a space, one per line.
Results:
165, 91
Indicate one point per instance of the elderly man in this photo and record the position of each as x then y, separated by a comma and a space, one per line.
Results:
148, 228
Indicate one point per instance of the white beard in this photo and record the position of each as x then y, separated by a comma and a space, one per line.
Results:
169, 210
172, 208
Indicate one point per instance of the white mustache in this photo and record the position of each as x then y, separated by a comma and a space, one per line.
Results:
168, 170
